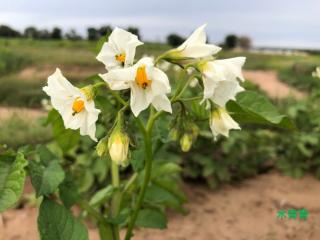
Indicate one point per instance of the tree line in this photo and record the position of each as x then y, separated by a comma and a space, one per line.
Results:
93, 33
32, 32
231, 41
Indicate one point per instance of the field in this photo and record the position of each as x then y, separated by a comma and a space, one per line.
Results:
272, 158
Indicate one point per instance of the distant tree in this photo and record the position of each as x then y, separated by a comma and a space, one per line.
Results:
175, 40
231, 41
31, 32
44, 34
245, 42
6, 31
105, 30
56, 33
134, 30
93, 34
72, 35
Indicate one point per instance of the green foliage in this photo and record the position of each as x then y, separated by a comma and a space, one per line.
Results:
46, 179
299, 151
57, 223
299, 76
11, 61
16, 131
251, 107
12, 177
66, 138
102, 196
151, 218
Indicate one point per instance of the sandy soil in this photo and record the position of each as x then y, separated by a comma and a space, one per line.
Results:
33, 73
269, 82
7, 112
245, 211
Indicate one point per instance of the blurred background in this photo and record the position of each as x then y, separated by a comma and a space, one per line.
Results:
232, 184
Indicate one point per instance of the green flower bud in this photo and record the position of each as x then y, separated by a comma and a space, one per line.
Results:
174, 134
89, 92
186, 142
102, 147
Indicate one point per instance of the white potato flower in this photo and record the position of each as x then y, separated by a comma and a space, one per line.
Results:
148, 84
316, 73
194, 47
76, 106
220, 79
221, 122
120, 49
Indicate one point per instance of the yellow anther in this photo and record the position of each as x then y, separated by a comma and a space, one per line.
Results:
141, 77
78, 105
121, 58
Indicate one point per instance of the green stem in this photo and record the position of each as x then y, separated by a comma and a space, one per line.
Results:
147, 172
99, 84
179, 93
131, 181
113, 93
100, 219
191, 99
116, 199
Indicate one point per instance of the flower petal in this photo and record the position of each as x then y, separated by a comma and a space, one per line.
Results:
119, 79
161, 102
107, 56
231, 67
131, 51
200, 51
221, 123
160, 82
196, 38
225, 91
139, 100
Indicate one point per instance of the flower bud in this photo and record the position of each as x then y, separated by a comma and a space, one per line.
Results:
102, 147
118, 145
89, 92
186, 142
174, 134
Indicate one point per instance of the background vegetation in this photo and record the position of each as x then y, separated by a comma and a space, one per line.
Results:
25, 64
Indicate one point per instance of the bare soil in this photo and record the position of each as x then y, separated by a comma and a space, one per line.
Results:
268, 81
41, 73
245, 211
7, 112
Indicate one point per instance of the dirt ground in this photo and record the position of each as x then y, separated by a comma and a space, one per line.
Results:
245, 211
6, 112
269, 82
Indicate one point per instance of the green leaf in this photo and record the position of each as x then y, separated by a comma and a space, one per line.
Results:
137, 159
151, 218
68, 192
251, 107
12, 178
101, 196
46, 180
55, 222
66, 138
45, 154
157, 195
169, 168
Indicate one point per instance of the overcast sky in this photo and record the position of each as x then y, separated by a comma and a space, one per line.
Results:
288, 23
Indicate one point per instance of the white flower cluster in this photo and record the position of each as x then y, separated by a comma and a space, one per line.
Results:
149, 84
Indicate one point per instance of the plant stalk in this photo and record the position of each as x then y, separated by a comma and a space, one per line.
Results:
116, 199
147, 174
